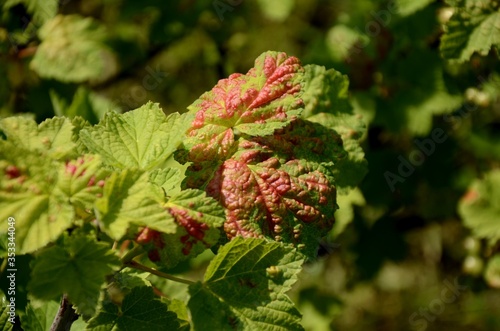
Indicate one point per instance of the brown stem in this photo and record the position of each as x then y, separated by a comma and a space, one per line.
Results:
65, 316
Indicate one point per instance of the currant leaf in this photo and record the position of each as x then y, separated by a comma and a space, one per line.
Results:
257, 103
76, 266
198, 219
140, 310
244, 288
130, 200
74, 49
53, 137
143, 138
472, 28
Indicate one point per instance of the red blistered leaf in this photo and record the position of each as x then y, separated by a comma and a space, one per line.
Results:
266, 98
274, 197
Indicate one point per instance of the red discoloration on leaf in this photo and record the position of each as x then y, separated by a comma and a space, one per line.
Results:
154, 255
12, 172
147, 236
71, 168
268, 93
272, 172
195, 231
470, 196
264, 195
91, 181
278, 186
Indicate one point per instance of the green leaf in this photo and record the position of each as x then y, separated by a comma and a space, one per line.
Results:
5, 323
41, 10
76, 267
39, 318
479, 207
350, 170
53, 136
276, 10
492, 271
85, 103
325, 91
419, 92
140, 310
474, 27
244, 288
82, 180
198, 219
179, 307
345, 214
256, 104
341, 41
27, 193
73, 50
129, 198
169, 179
408, 7
143, 138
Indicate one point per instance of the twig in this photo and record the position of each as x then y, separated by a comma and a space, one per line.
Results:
139, 266
65, 316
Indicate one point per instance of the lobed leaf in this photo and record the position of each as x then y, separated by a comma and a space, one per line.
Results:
143, 138
130, 199
474, 27
28, 193
244, 288
77, 267
197, 218
82, 180
39, 317
53, 136
73, 50
140, 310
263, 100
278, 186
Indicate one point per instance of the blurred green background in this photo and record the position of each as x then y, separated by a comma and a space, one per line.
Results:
416, 246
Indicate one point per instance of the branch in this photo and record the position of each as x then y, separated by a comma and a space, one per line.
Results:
65, 316
139, 266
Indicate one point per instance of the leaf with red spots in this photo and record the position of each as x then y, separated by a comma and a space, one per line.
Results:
279, 186
82, 180
28, 193
198, 220
263, 100
53, 137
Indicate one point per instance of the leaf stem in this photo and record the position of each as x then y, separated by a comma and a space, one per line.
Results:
158, 273
65, 316
133, 252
